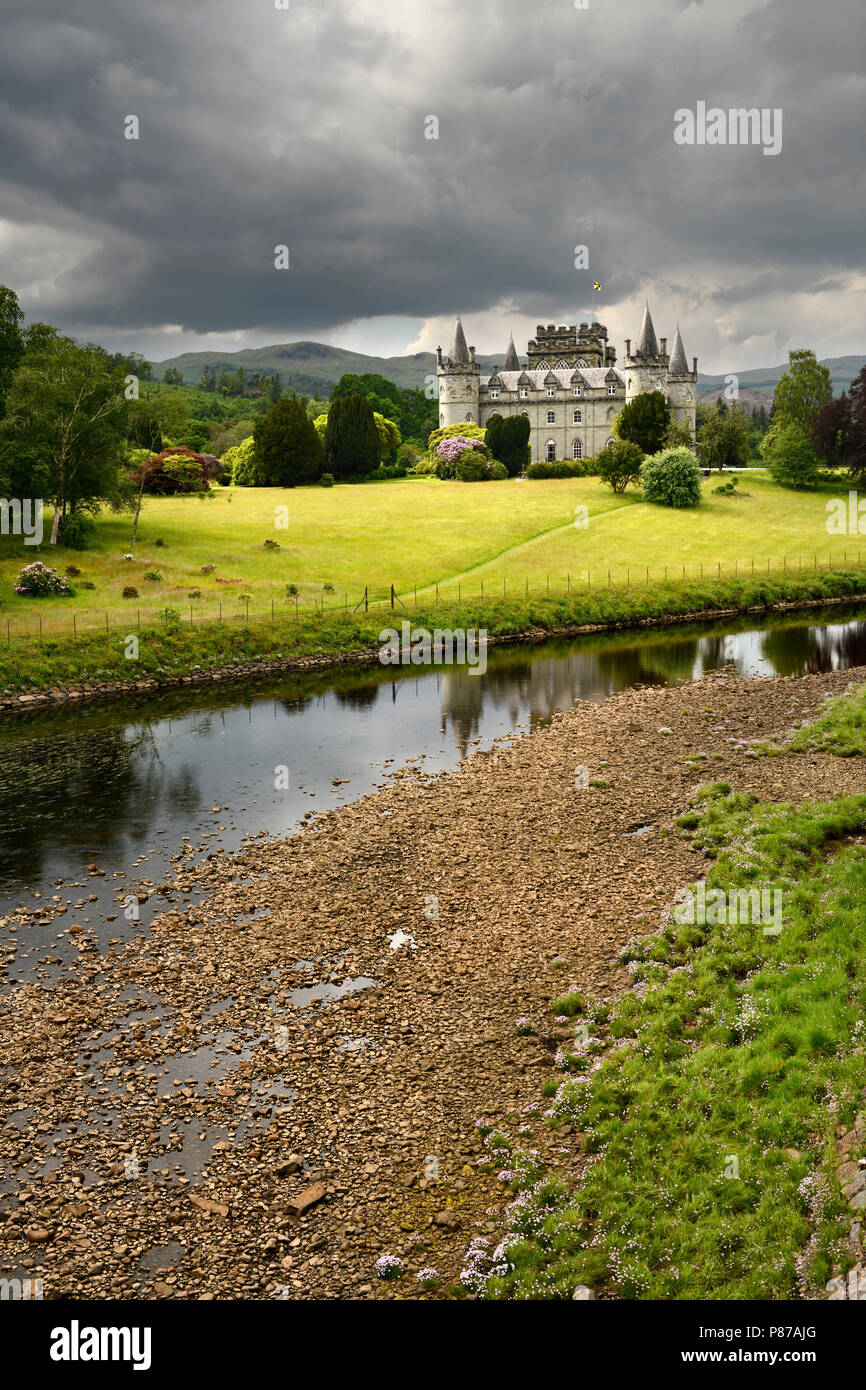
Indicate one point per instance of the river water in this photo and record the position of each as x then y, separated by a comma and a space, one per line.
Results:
120, 787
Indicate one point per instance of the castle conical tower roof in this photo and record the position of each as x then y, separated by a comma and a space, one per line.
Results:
512, 363
647, 345
678, 365
459, 353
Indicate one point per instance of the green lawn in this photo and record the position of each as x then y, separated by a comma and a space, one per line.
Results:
418, 532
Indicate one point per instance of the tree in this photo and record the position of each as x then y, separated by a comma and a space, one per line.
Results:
790, 456
672, 478
351, 438
389, 435
645, 421
172, 376
64, 435
724, 438
857, 448
11, 341
802, 390
508, 441
831, 432
286, 448
619, 464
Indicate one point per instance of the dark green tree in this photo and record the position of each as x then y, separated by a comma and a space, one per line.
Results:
831, 432
351, 438
724, 437
802, 390
857, 444
619, 464
508, 441
645, 421
11, 340
287, 449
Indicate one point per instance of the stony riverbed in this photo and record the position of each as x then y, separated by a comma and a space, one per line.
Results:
279, 1082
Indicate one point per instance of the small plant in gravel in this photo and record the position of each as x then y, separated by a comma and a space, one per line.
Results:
389, 1267
428, 1278
568, 1004
38, 581
524, 1027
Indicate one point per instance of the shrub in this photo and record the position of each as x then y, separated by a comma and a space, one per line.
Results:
498, 471
73, 571
170, 618
473, 467
791, 457
291, 590
619, 464
451, 451
78, 531
130, 591
671, 478
154, 576
38, 581
159, 541
194, 593
326, 480
562, 468
408, 455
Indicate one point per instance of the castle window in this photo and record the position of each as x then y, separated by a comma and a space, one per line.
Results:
577, 417
581, 363
526, 413
469, 416
551, 390
494, 394
561, 366
542, 367
611, 390
551, 417
577, 450
524, 392
551, 451
610, 441
577, 390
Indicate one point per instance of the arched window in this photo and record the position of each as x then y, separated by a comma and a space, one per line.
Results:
577, 449
469, 417
542, 367
561, 366
551, 417
577, 417
610, 441
580, 362
526, 413
551, 451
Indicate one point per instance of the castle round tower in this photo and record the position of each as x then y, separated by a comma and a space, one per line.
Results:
645, 369
682, 385
458, 376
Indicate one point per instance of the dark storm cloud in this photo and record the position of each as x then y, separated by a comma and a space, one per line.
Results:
306, 127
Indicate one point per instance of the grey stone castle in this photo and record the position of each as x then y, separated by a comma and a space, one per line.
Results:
570, 388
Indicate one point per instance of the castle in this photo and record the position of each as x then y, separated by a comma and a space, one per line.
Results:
570, 389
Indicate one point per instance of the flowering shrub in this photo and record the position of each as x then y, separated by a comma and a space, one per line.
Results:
428, 1278
389, 1267
38, 581
449, 453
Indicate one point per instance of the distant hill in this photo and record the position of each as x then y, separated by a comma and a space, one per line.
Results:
310, 367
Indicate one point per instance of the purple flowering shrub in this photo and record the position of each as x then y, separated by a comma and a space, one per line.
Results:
38, 581
449, 453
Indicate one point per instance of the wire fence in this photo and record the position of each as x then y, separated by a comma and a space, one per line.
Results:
259, 610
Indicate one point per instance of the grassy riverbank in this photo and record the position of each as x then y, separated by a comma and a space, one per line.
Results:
707, 1098
168, 651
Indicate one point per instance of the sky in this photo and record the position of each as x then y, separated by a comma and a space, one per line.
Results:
305, 124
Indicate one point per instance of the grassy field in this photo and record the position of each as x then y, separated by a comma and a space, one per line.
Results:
416, 534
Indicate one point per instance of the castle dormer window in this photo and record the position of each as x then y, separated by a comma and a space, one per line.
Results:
494, 393
524, 392
551, 390
577, 390
577, 417
551, 417
611, 390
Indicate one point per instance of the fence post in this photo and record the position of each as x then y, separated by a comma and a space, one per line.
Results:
437, 595
106, 620
366, 600
392, 595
